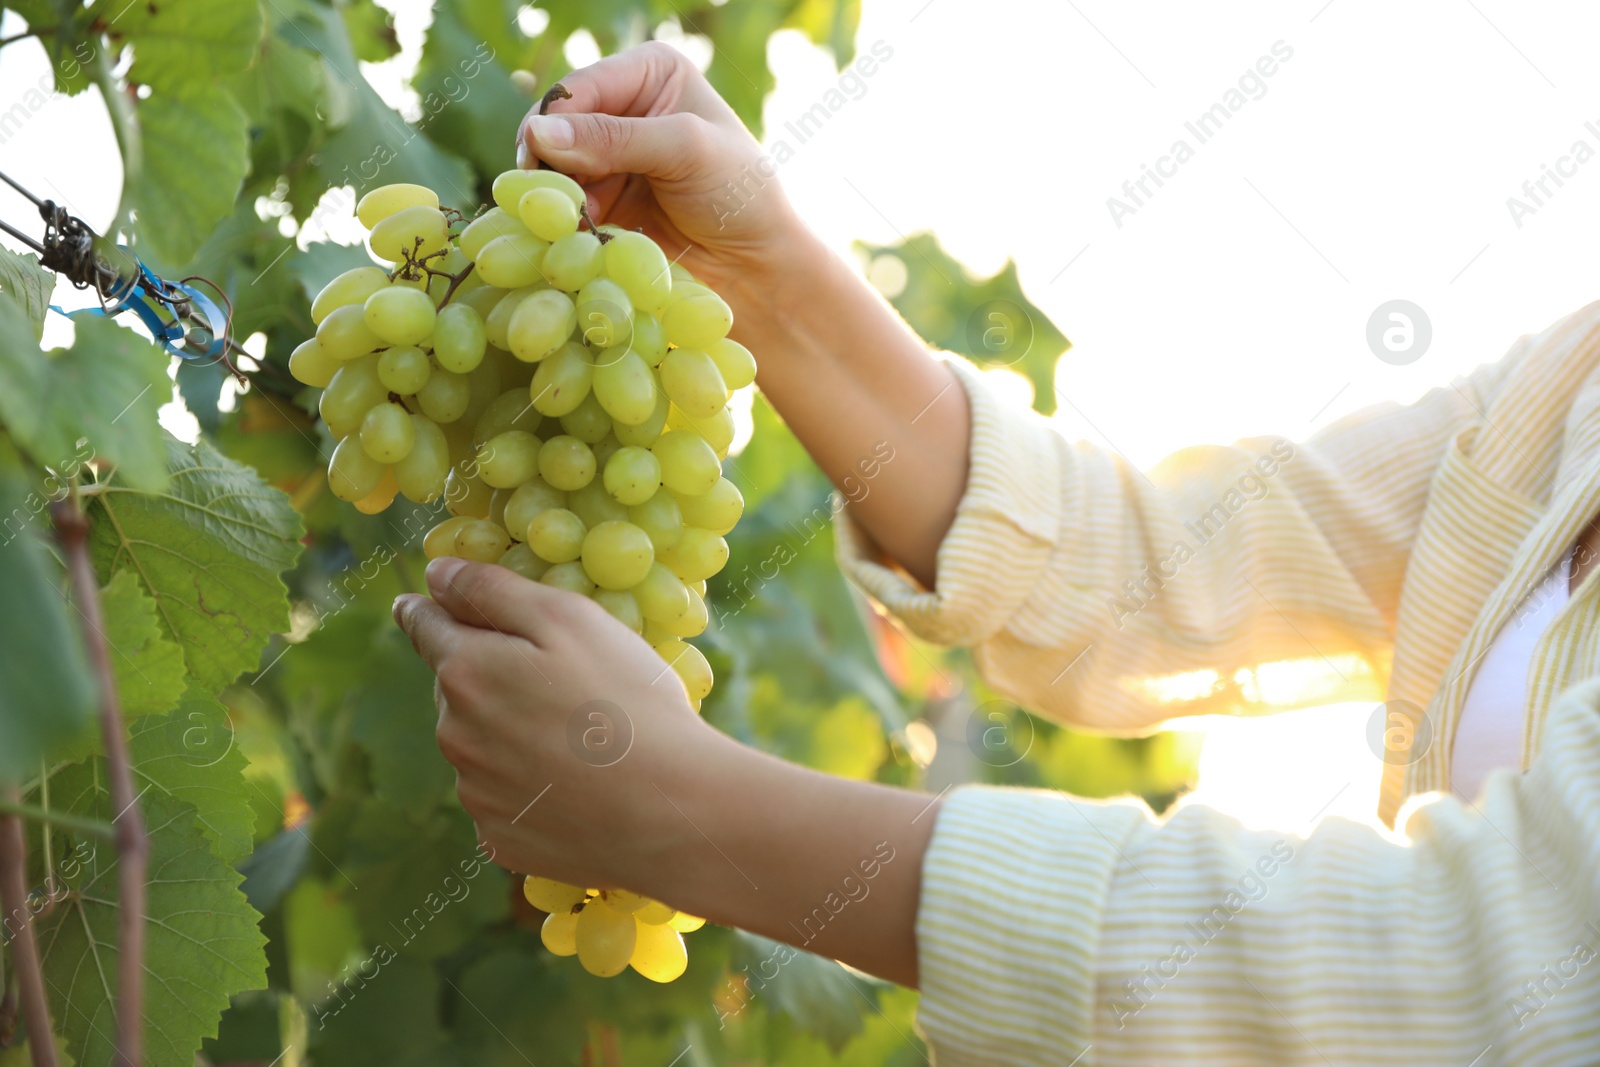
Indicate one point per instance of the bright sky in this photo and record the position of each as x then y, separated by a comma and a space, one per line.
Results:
1374, 164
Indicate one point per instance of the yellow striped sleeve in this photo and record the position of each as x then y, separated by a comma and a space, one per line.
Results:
1056, 931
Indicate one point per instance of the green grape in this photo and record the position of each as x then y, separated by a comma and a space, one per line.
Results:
445, 396
646, 433
549, 214
459, 339
512, 185
649, 338
734, 360
547, 894
520, 558
466, 495
594, 505
310, 365
661, 595
659, 517
573, 261
566, 463
691, 380
481, 541
496, 222
556, 536
654, 913
632, 475
562, 378
344, 335
680, 273
697, 556
697, 319
659, 953
637, 264
605, 938
541, 323
422, 473
404, 369
420, 231
508, 459
497, 509
605, 314
385, 200
603, 450
588, 422
569, 576
387, 433
622, 606
527, 501
685, 924
621, 899
484, 387
688, 464
352, 474
382, 495
400, 315
508, 411
689, 665
497, 322
617, 555
441, 540
559, 934
350, 394
351, 287
453, 262
512, 261
693, 621
625, 388
717, 509
717, 430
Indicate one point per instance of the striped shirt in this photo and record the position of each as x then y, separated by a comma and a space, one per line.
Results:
1376, 560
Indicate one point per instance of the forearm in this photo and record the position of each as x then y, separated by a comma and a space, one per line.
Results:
853, 382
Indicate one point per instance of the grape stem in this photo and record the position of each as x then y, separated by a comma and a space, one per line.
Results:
455, 280
133, 847
24, 949
555, 92
600, 235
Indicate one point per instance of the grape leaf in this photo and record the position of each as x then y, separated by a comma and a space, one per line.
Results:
183, 45
209, 550
814, 992
148, 666
202, 943
371, 30
469, 104
191, 754
196, 154
29, 284
394, 719
387, 1013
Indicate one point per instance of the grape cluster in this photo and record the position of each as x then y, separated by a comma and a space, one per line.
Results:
563, 389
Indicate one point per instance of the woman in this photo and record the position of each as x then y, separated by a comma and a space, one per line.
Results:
1442, 545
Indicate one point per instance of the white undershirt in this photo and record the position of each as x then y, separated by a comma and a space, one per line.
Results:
1489, 733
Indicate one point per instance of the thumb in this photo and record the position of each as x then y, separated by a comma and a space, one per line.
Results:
596, 145
490, 597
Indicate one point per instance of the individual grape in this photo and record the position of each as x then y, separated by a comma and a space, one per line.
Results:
573, 261
541, 323
404, 369
382, 495
422, 473
566, 463
646, 433
485, 386
399, 315
481, 541
685, 924
604, 449
556, 536
605, 314
560, 933
654, 913
693, 621
350, 394
569, 576
617, 555
697, 320
689, 665
660, 517
509, 411
466, 495
562, 378
441, 540
344, 335
547, 894
698, 586
649, 338
497, 509
659, 953
452, 262
717, 430
636, 263
385, 200
549, 214
311, 365
508, 459
594, 505
520, 558
622, 606
605, 939
512, 185
625, 388
622, 900
698, 554
717, 509
512, 261
632, 475
459, 338
420, 231
351, 287
493, 223
445, 396
526, 502
688, 464
387, 433
691, 380
588, 422
352, 474
734, 360
680, 273
661, 595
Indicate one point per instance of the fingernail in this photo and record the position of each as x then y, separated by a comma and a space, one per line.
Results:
552, 131
522, 154
441, 573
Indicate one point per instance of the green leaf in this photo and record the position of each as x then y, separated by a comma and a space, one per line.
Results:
183, 45
107, 388
386, 1012
191, 754
469, 104
45, 688
371, 30
814, 992
394, 719
209, 550
202, 944
196, 154
148, 665
30, 285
